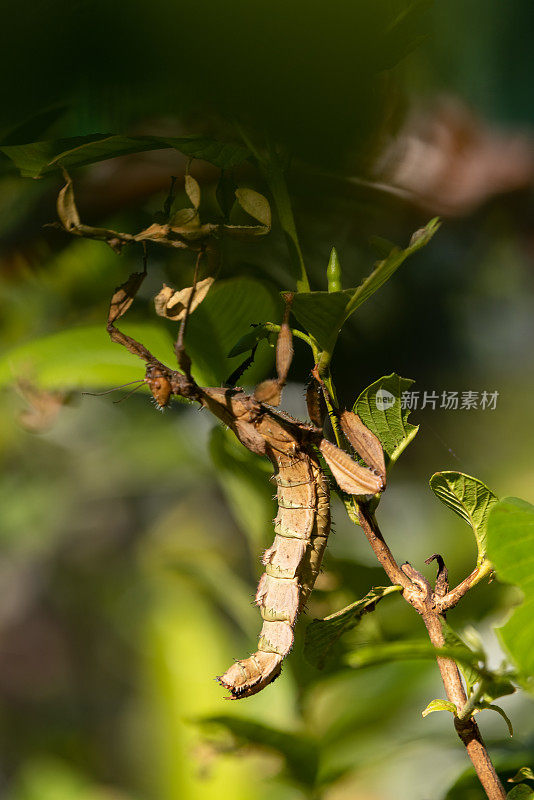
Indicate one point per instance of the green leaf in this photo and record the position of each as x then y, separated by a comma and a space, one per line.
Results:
324, 313
228, 312
32, 127
38, 158
470, 499
523, 774
322, 634
499, 710
82, 358
407, 650
380, 408
510, 543
245, 233
521, 792
246, 342
452, 639
498, 684
300, 752
255, 204
439, 705
386, 268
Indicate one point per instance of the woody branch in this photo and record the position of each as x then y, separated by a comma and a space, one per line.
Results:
418, 593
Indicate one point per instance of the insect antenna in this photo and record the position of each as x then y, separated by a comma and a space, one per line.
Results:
115, 388
129, 394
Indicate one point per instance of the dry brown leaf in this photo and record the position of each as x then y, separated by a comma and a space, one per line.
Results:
245, 233
162, 298
123, 296
255, 204
173, 304
66, 206
153, 232
185, 220
192, 190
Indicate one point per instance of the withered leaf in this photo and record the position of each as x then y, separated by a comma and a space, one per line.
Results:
162, 298
173, 304
350, 476
185, 218
192, 190
123, 296
268, 391
255, 204
153, 232
66, 206
364, 441
245, 233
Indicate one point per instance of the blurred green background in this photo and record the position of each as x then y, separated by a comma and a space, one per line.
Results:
131, 540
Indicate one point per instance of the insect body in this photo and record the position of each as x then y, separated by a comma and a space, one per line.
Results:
301, 526
302, 523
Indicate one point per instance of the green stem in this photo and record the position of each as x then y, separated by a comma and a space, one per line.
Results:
472, 702
324, 362
275, 177
274, 328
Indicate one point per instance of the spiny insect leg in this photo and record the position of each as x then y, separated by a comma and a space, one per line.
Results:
364, 441
270, 391
184, 362
241, 369
122, 299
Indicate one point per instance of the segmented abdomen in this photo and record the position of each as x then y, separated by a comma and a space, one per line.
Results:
292, 564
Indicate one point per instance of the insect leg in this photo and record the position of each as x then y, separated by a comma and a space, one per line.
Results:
241, 369
284, 345
316, 403
270, 391
184, 362
364, 441
121, 301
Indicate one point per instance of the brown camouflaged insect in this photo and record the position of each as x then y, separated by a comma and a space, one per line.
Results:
302, 523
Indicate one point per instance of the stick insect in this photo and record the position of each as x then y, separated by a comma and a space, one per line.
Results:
302, 523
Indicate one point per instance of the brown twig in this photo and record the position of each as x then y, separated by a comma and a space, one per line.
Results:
442, 578
451, 598
418, 593
380, 548
467, 729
